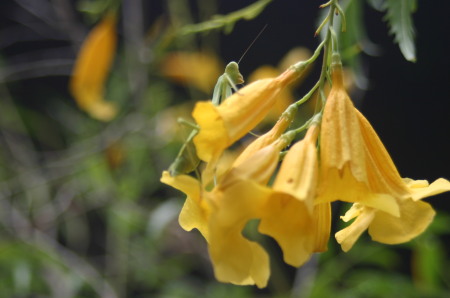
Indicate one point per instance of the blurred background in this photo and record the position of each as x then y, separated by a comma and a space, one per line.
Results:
82, 211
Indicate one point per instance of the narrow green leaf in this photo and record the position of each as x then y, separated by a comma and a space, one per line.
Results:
227, 22
399, 17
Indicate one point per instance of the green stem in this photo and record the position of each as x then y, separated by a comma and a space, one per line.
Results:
307, 95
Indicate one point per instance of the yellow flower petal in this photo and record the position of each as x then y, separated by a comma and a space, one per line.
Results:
341, 144
289, 215
348, 236
193, 216
298, 173
268, 138
420, 190
322, 223
284, 98
92, 67
289, 222
343, 186
187, 184
415, 217
383, 176
236, 259
195, 211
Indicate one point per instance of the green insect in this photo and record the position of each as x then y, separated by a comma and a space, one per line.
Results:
187, 160
227, 83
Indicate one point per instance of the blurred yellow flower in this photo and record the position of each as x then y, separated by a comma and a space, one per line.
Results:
92, 68
199, 69
415, 216
221, 126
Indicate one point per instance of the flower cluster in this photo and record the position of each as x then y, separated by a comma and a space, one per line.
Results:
340, 158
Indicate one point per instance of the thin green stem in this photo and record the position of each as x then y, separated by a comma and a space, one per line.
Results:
188, 123
302, 64
328, 47
307, 95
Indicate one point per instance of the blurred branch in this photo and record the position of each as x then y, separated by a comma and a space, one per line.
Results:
67, 20
51, 67
40, 9
136, 51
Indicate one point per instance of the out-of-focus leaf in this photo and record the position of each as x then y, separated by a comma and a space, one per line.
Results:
428, 263
376, 4
399, 16
355, 41
227, 22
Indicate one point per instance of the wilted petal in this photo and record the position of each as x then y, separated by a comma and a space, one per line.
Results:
92, 68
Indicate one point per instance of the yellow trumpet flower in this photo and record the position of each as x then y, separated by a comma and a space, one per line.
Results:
222, 213
354, 165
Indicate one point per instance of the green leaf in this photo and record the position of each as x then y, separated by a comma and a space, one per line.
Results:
399, 17
227, 22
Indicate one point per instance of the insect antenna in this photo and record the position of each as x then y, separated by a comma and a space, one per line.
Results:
248, 48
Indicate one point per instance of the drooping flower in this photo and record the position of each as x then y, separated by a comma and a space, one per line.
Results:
388, 223
289, 214
92, 68
222, 213
355, 167
415, 216
242, 196
221, 126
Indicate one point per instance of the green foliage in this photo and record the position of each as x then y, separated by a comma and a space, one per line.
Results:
227, 22
399, 17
